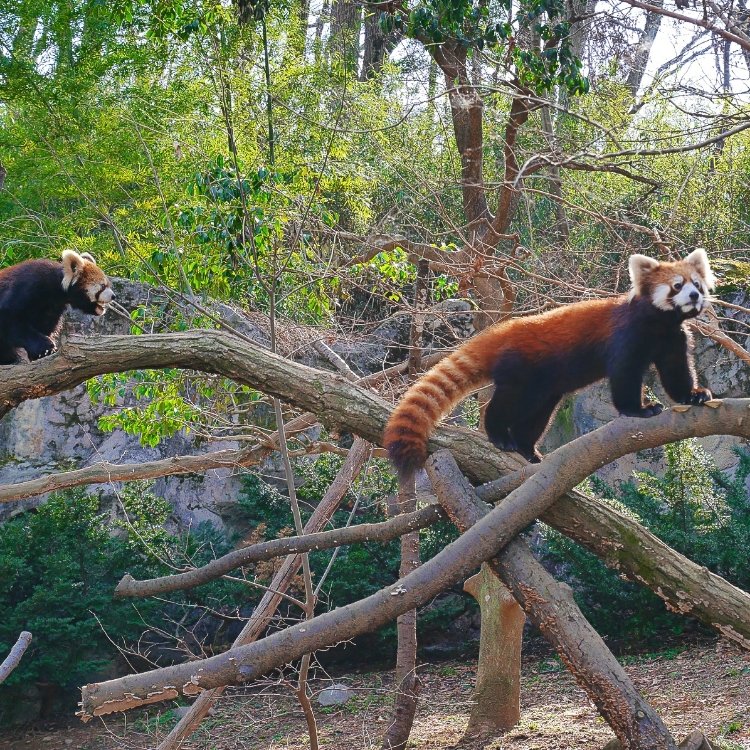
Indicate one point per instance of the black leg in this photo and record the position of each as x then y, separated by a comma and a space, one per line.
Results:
500, 412
676, 371
529, 429
625, 371
514, 421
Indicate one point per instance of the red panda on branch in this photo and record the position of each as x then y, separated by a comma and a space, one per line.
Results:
534, 361
33, 298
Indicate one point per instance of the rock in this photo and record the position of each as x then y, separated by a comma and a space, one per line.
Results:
336, 695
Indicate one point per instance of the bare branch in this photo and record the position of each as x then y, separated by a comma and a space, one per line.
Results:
364, 532
13, 659
704, 23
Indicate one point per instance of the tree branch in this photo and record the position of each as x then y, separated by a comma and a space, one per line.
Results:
13, 658
332, 398
108, 472
703, 23
559, 472
363, 532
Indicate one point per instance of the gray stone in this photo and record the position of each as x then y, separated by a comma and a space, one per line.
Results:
336, 695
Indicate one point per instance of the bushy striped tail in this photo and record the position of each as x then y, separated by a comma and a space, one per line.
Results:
425, 403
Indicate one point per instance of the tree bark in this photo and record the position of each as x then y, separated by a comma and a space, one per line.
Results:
407, 682
497, 692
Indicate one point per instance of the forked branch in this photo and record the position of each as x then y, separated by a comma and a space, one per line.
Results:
557, 474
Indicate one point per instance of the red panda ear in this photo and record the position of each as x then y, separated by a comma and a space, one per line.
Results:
89, 257
640, 266
72, 264
699, 261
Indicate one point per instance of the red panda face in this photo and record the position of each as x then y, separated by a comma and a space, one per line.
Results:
87, 285
680, 286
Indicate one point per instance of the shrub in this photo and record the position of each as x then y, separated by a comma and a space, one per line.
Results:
58, 568
694, 508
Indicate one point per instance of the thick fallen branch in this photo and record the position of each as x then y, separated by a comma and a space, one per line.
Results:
108, 472
626, 546
551, 607
587, 521
363, 532
557, 474
333, 399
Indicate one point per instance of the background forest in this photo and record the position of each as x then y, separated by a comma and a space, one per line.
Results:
336, 174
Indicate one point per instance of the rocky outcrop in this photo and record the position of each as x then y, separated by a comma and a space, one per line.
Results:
60, 432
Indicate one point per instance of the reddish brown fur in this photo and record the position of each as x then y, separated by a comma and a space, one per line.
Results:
536, 360
470, 367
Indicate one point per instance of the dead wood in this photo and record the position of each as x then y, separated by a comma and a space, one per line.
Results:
496, 700
620, 541
558, 473
363, 532
13, 659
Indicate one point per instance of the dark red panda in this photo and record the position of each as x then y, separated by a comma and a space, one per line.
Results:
534, 361
34, 295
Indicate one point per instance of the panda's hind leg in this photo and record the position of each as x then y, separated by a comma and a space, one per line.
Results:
531, 428
515, 420
8, 354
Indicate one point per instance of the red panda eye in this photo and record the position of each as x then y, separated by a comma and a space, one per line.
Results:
678, 286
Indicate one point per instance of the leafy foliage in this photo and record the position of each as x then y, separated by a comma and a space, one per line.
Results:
695, 509
59, 566
476, 24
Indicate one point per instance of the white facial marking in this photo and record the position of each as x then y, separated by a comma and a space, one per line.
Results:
660, 297
689, 298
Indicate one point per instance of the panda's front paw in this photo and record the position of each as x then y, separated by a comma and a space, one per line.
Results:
42, 349
699, 396
652, 408
649, 409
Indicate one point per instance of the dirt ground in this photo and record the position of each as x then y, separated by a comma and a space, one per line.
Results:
706, 688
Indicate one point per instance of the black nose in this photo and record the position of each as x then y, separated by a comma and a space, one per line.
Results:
694, 296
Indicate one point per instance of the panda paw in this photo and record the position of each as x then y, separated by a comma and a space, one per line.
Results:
37, 352
649, 409
699, 396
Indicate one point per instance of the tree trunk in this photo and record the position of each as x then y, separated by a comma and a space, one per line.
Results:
377, 45
407, 682
346, 18
643, 48
497, 693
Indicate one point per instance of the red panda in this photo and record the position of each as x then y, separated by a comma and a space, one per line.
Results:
536, 360
34, 295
